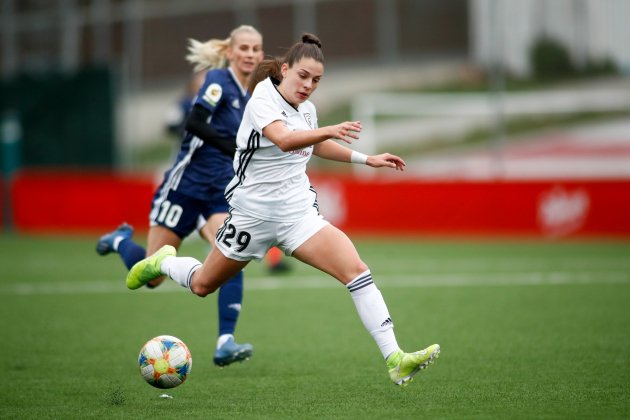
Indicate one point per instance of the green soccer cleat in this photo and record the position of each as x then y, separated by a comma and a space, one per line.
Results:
403, 366
149, 268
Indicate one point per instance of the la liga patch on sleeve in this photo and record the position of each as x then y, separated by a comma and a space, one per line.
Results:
213, 93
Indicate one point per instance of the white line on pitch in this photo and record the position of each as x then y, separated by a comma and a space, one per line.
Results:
323, 281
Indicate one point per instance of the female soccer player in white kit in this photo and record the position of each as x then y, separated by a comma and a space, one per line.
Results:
273, 204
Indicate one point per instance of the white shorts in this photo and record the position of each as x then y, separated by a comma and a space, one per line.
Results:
245, 238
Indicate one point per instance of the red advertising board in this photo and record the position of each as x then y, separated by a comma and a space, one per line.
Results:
71, 201
79, 201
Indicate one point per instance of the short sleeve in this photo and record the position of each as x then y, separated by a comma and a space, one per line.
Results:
211, 92
264, 111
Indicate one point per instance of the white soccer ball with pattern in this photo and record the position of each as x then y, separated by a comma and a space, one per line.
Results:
165, 361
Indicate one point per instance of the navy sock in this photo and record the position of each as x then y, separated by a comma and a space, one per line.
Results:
130, 252
230, 299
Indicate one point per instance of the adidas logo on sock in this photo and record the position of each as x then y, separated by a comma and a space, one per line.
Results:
388, 321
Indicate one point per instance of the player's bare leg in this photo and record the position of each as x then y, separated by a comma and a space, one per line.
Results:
331, 251
227, 349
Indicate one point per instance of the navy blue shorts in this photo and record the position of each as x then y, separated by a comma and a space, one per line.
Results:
183, 214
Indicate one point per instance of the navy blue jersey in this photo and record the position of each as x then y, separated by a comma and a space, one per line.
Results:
222, 96
200, 168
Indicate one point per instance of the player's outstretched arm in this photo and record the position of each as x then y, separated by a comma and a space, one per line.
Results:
386, 160
288, 140
332, 150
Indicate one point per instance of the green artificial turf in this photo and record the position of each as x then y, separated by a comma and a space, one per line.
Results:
528, 330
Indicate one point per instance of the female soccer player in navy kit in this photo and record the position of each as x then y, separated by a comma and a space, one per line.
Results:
191, 195
273, 203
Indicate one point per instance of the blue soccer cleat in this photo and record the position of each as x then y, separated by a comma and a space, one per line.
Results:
105, 244
231, 352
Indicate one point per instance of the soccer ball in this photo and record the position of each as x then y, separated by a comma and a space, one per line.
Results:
165, 361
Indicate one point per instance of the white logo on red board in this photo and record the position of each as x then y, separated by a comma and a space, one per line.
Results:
562, 211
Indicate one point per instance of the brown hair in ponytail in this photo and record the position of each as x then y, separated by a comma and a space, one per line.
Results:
269, 67
309, 46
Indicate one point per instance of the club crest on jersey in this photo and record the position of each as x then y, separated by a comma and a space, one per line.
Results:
213, 93
307, 117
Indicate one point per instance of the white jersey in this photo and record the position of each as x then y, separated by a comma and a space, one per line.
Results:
270, 184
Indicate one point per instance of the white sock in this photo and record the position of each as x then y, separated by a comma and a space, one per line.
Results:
222, 339
373, 312
180, 269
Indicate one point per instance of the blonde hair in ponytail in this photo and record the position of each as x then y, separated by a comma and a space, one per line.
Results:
207, 55
212, 54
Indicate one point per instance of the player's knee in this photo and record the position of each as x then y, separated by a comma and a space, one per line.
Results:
357, 268
360, 267
202, 290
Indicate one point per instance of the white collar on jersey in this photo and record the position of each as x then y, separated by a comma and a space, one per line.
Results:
285, 104
243, 90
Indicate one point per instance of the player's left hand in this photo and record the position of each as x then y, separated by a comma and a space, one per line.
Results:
386, 160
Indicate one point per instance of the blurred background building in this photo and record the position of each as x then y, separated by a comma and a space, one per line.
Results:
377, 44
448, 84
143, 42
146, 39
